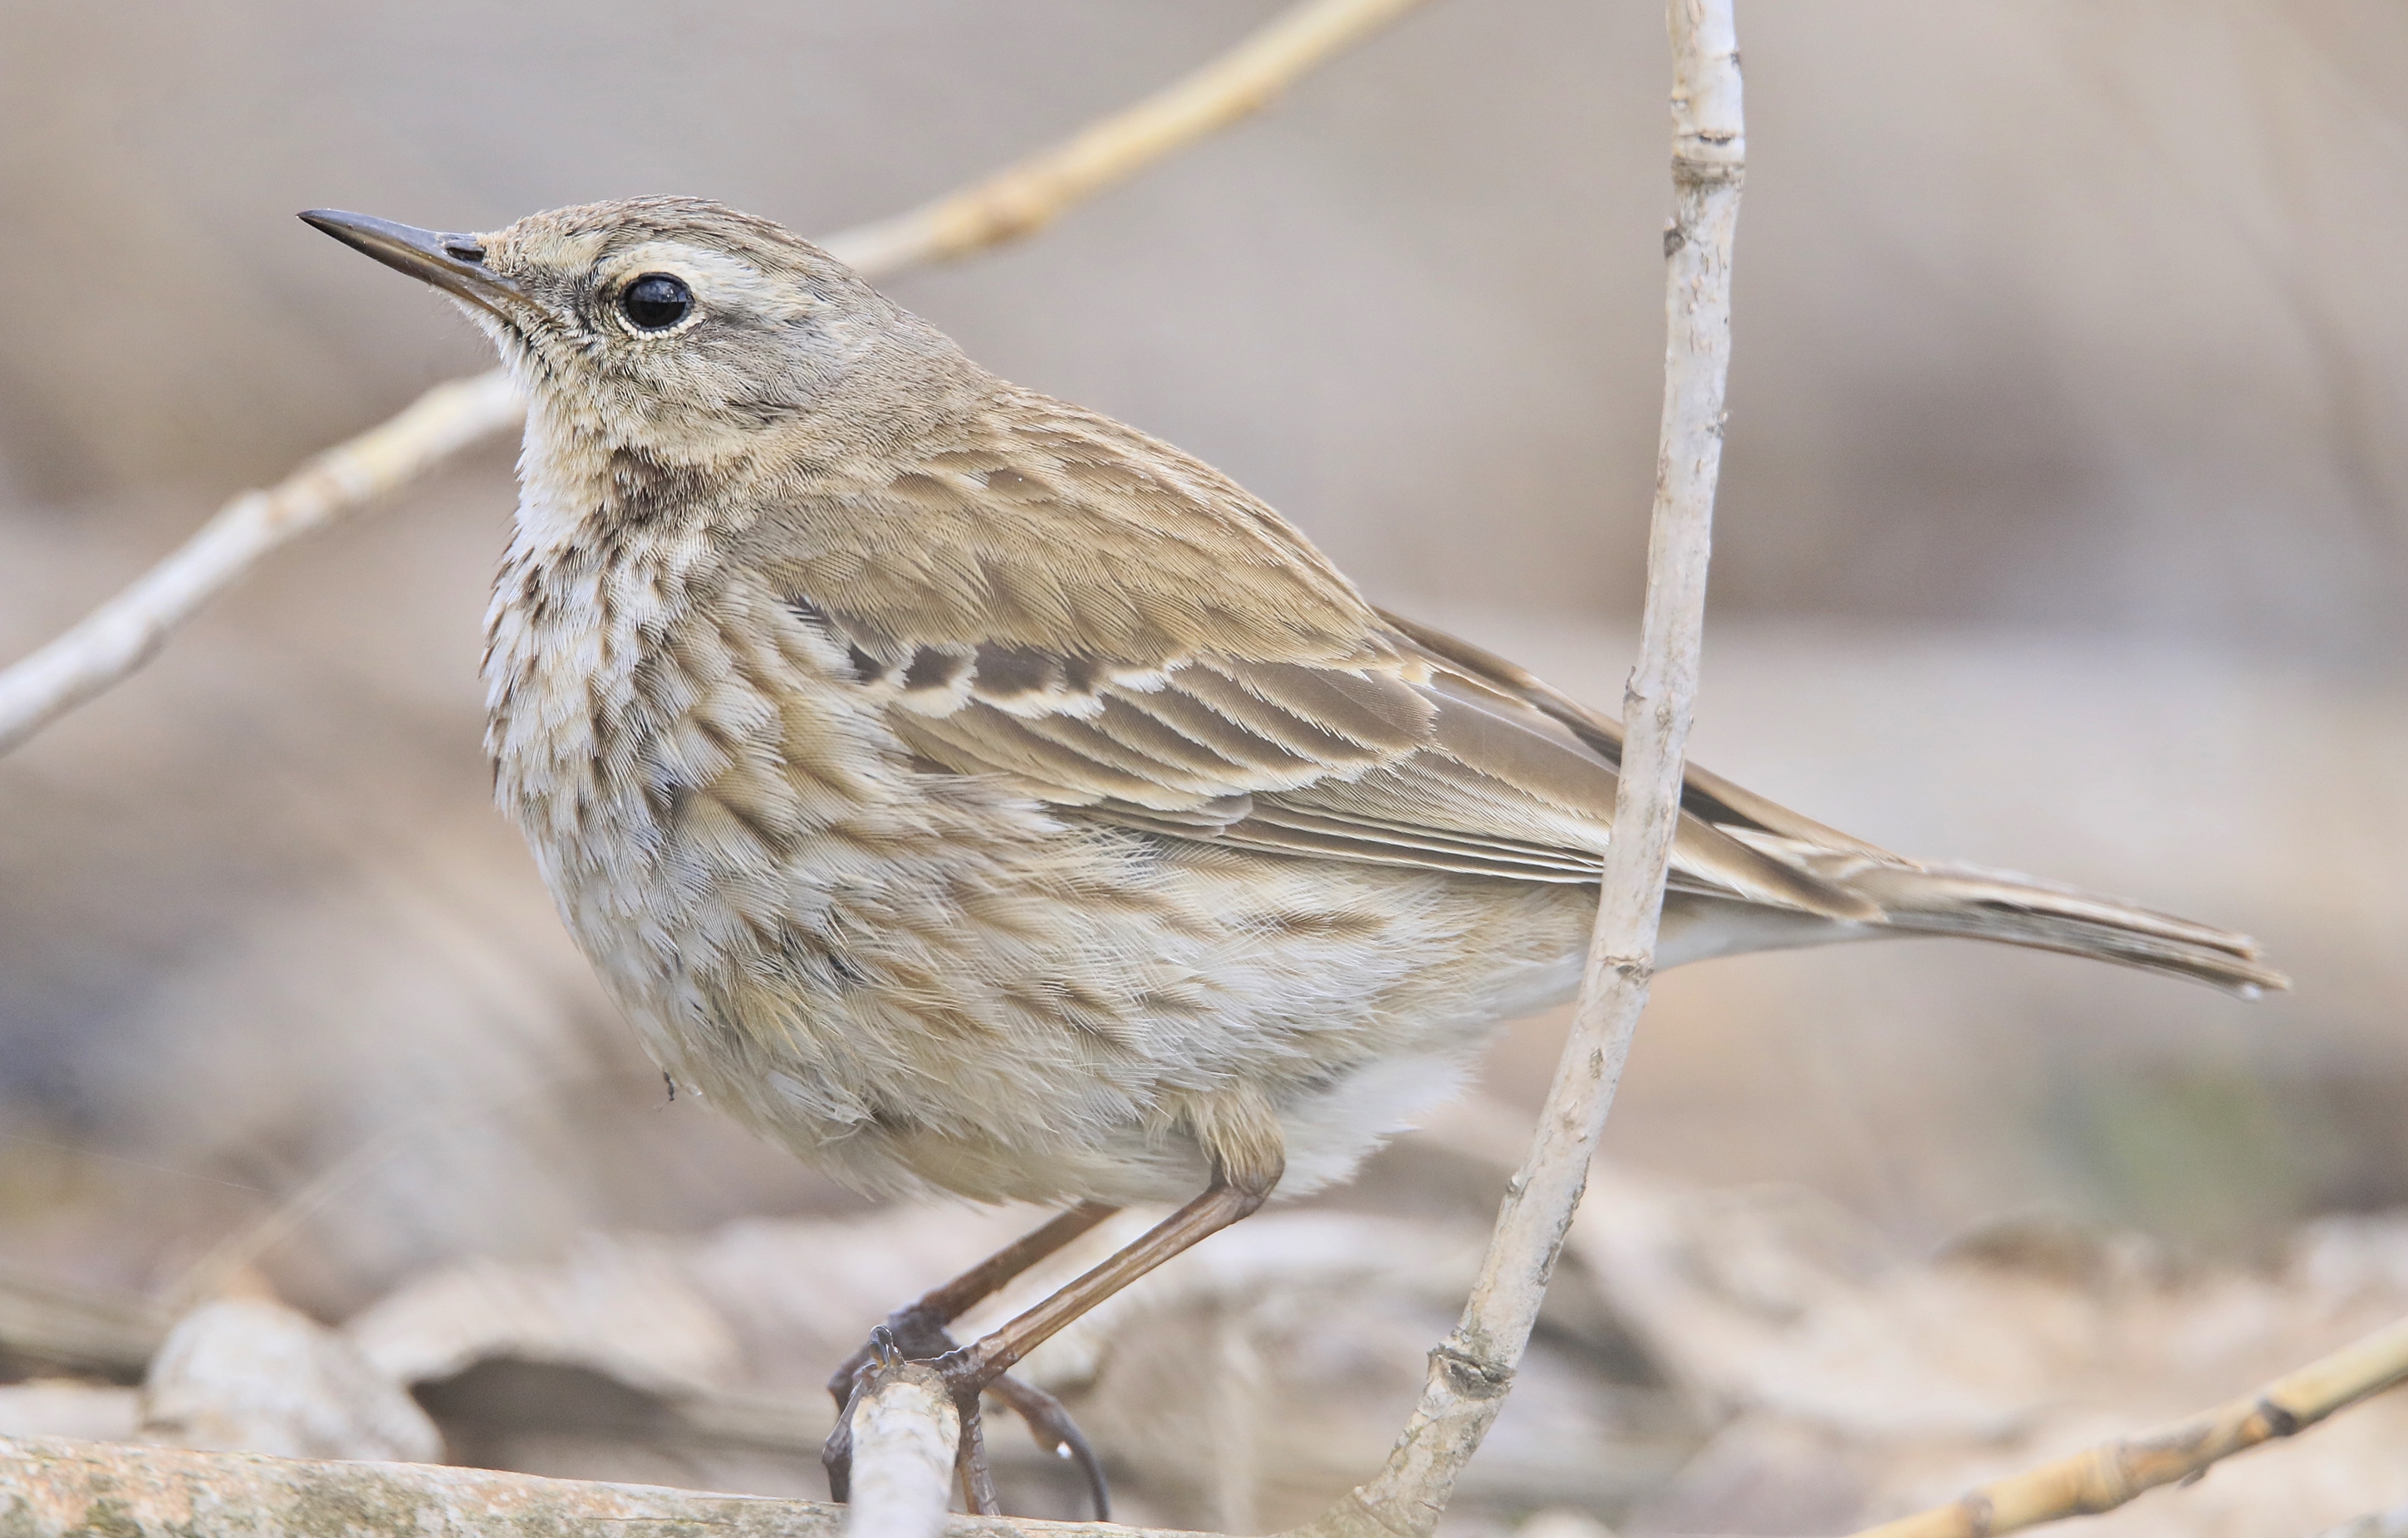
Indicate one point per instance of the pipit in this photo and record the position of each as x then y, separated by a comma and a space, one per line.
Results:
973, 793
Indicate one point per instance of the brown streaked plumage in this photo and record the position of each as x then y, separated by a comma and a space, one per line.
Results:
973, 792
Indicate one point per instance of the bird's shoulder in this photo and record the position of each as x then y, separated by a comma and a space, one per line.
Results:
1029, 523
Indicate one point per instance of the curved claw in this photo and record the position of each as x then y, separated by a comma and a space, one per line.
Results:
836, 1457
882, 1352
912, 1331
1057, 1433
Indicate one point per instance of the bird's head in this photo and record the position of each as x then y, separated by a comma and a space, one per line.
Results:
679, 328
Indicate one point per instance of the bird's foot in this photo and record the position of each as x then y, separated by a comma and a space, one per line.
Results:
914, 1331
1057, 1433
912, 1335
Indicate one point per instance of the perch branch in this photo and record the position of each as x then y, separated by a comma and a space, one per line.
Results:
55, 1488
128, 629
1470, 1370
904, 1432
2103, 1477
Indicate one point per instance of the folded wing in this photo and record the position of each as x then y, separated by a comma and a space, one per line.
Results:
1128, 637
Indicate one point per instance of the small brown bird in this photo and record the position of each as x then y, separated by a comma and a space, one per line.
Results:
973, 793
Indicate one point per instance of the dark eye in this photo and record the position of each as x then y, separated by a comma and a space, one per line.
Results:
655, 302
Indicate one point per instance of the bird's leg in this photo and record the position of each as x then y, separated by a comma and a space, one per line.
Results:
917, 1330
919, 1327
971, 1369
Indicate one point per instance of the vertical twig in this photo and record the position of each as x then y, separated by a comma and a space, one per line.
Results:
1470, 1370
905, 1433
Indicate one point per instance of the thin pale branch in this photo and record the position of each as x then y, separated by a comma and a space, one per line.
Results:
1472, 1370
2103, 1477
127, 630
115, 640
904, 1432
1029, 195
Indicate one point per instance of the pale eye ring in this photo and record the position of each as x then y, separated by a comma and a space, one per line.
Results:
656, 301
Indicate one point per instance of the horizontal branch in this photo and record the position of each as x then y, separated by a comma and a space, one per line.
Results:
2103, 1477
115, 640
55, 1488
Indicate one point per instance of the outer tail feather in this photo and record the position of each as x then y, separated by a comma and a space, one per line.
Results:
1918, 898
1980, 905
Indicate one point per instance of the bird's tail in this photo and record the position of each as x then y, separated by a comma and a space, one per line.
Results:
1914, 897
1980, 905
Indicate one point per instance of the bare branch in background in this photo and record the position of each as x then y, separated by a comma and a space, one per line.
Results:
107, 645
1024, 197
2106, 1476
1472, 1370
122, 634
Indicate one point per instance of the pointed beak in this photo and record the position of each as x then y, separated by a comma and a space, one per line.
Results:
452, 262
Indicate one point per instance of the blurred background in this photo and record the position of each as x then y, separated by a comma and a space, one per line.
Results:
2064, 528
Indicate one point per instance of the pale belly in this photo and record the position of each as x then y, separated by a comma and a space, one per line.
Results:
1039, 1027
